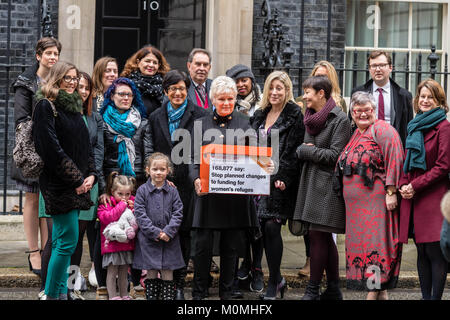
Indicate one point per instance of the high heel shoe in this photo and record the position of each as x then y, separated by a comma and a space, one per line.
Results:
35, 271
281, 288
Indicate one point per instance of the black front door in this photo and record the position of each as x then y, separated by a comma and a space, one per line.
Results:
173, 26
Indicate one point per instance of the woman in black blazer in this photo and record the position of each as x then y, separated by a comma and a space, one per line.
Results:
176, 113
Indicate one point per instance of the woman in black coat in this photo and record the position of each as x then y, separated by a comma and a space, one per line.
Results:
279, 114
25, 87
146, 68
177, 115
225, 213
115, 106
62, 141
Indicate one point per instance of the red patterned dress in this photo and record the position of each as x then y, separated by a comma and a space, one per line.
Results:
370, 161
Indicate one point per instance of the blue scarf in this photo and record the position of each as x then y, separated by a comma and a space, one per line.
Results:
175, 116
118, 122
415, 145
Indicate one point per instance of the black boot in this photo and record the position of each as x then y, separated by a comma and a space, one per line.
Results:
179, 277
312, 291
152, 288
168, 290
333, 292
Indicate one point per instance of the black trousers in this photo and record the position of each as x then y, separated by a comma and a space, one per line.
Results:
179, 275
202, 259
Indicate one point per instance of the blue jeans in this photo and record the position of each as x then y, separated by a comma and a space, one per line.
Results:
64, 242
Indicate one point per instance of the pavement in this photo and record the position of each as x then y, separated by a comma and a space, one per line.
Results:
14, 271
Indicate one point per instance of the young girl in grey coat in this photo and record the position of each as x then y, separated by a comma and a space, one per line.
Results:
159, 212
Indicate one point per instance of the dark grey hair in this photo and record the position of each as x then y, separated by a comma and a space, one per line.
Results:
361, 98
198, 50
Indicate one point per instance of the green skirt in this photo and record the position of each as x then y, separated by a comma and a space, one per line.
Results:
86, 215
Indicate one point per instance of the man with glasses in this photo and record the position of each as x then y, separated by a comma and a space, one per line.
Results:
199, 65
394, 103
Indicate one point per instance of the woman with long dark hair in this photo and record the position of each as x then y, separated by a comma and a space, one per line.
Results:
146, 68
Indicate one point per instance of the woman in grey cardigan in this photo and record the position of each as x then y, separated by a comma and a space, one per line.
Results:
327, 133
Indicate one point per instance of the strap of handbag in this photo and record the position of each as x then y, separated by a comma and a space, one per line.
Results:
55, 113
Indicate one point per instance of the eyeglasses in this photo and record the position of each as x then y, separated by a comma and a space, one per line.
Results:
376, 66
69, 79
361, 111
125, 94
175, 89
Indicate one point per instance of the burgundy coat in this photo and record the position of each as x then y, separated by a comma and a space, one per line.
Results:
429, 186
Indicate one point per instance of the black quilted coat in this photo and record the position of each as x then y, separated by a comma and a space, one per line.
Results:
280, 204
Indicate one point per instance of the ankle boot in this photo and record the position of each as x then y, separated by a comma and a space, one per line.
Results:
333, 292
168, 290
180, 282
152, 288
312, 291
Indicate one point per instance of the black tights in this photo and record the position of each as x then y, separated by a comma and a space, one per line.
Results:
273, 244
324, 256
432, 268
253, 253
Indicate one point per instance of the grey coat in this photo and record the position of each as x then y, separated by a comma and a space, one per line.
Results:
158, 210
317, 202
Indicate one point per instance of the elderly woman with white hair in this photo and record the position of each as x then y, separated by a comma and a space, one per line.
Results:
369, 171
229, 214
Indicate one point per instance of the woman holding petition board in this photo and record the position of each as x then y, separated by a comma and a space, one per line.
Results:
227, 213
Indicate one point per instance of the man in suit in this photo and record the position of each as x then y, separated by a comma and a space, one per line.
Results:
199, 65
394, 103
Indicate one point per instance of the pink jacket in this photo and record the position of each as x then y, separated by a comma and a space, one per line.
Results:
107, 214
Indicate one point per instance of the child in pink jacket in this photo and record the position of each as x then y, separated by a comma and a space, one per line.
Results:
117, 256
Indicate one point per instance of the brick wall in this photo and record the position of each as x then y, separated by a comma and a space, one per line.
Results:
315, 34
24, 33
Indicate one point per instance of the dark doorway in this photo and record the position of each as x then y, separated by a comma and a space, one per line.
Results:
173, 26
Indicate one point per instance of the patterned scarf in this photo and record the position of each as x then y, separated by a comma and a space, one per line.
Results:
175, 116
415, 145
149, 86
315, 121
123, 126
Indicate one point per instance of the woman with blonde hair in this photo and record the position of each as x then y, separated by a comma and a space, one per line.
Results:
62, 141
146, 68
278, 115
105, 71
325, 68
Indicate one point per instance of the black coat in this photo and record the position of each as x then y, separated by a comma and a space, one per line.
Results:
111, 148
95, 128
401, 99
157, 139
63, 144
25, 88
192, 93
281, 204
151, 104
220, 211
